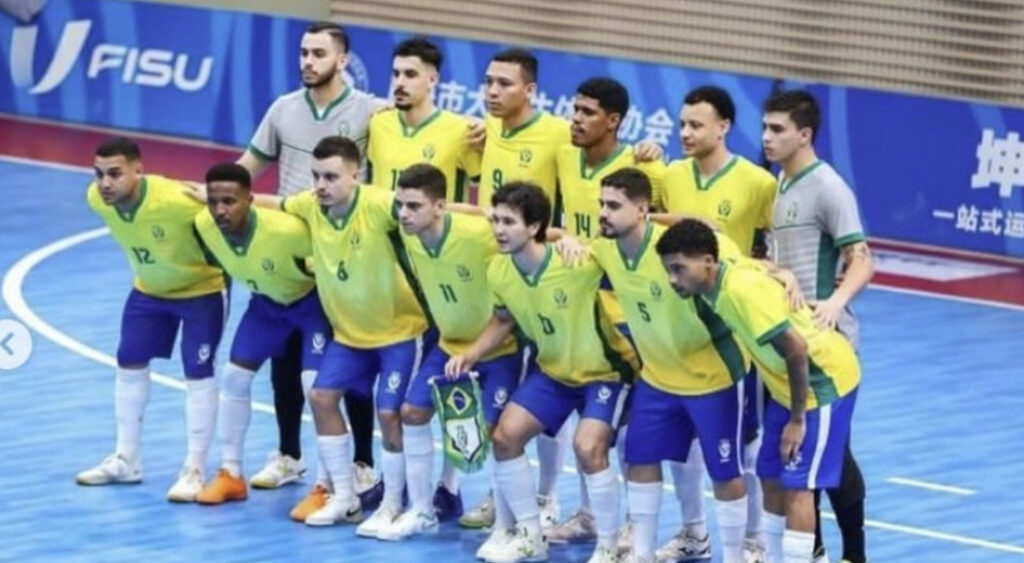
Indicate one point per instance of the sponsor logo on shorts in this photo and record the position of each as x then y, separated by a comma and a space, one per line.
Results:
394, 382
794, 463
204, 353
724, 451
319, 341
603, 394
500, 397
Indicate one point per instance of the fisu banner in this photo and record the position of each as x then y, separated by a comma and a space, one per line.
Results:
927, 170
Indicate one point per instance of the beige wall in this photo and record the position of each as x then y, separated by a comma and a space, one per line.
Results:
305, 9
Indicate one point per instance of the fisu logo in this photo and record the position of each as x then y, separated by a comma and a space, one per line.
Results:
156, 68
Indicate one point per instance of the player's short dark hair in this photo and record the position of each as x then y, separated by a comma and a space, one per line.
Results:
610, 94
336, 145
525, 59
719, 99
229, 172
689, 237
420, 47
119, 146
800, 105
531, 201
425, 177
335, 30
635, 184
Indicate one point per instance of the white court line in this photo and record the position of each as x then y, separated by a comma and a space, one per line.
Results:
931, 486
12, 294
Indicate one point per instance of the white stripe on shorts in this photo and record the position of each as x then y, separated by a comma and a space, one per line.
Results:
738, 444
824, 426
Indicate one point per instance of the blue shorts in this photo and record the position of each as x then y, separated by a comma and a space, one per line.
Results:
663, 425
819, 463
753, 404
267, 326
149, 326
552, 402
354, 370
499, 378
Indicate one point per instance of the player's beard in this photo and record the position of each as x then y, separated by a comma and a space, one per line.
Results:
322, 80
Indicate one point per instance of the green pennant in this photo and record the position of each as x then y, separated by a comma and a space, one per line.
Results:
466, 439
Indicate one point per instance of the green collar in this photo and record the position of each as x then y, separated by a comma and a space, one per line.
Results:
129, 215
600, 165
787, 183
341, 222
242, 248
535, 278
719, 280
509, 133
701, 186
436, 252
411, 131
631, 265
327, 110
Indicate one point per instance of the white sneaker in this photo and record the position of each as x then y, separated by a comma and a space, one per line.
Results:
336, 511
604, 555
495, 544
381, 518
821, 556
113, 469
550, 512
753, 551
364, 477
522, 546
579, 528
625, 541
188, 485
410, 523
685, 547
482, 516
279, 470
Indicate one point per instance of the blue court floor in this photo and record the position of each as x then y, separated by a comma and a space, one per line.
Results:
938, 428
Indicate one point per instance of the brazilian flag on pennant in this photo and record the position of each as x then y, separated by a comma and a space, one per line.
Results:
465, 437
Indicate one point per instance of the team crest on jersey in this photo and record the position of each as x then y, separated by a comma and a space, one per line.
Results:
792, 211
354, 241
345, 130
319, 341
158, 233
500, 397
603, 394
724, 208
268, 266
463, 273
724, 450
561, 299
525, 157
429, 151
394, 382
204, 354
656, 291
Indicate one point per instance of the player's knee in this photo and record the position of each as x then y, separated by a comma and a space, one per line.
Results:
414, 415
322, 400
236, 382
506, 443
591, 453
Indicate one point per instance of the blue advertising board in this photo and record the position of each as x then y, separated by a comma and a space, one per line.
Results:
927, 170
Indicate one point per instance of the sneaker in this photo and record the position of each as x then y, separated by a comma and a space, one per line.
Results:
633, 558
495, 544
625, 541
604, 555
753, 551
482, 516
521, 546
820, 555
188, 485
384, 516
336, 511
579, 528
447, 504
223, 488
368, 485
550, 512
113, 469
280, 470
685, 547
315, 500
410, 523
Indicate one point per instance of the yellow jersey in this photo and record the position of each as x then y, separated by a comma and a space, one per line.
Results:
526, 153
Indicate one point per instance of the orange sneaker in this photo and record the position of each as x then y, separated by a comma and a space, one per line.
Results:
223, 488
315, 500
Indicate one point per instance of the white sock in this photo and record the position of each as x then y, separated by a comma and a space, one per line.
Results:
233, 415
797, 547
620, 453
131, 393
551, 458
200, 418
755, 496
689, 482
503, 517
644, 505
418, 446
584, 493
450, 477
732, 521
393, 467
308, 377
605, 499
335, 453
774, 526
515, 481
